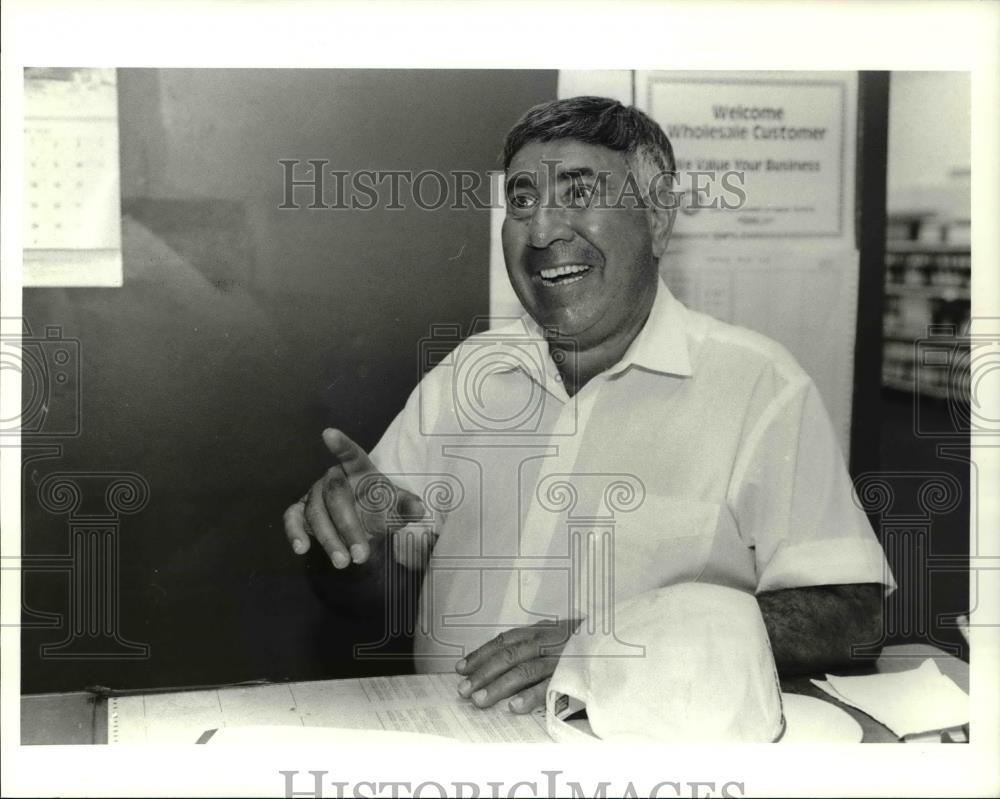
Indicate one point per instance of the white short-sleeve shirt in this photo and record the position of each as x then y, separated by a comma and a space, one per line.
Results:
705, 454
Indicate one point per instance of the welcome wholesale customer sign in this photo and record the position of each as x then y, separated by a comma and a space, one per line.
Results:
757, 157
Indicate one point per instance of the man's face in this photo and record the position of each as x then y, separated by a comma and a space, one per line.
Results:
579, 261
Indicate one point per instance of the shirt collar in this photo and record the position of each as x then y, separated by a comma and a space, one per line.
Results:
661, 345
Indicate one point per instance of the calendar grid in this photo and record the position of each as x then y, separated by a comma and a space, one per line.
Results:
72, 208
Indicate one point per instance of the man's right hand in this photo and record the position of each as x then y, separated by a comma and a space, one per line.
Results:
348, 505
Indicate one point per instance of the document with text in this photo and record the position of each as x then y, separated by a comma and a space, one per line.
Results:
420, 704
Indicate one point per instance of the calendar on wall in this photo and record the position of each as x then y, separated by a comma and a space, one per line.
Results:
72, 208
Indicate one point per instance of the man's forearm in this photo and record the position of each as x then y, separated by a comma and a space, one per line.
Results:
813, 629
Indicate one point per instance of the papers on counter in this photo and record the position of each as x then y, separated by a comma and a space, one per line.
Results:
309, 736
907, 702
420, 704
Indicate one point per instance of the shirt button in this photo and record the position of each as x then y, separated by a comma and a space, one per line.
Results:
558, 377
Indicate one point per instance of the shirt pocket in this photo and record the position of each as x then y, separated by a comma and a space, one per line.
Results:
666, 540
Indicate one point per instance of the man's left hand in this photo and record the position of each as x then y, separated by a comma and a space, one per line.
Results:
517, 663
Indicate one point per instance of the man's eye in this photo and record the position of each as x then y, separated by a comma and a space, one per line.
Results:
581, 192
521, 202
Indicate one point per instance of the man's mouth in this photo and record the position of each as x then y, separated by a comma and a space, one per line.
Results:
563, 275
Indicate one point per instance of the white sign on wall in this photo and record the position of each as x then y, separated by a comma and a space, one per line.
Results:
761, 155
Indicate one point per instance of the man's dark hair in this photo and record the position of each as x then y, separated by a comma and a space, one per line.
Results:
595, 120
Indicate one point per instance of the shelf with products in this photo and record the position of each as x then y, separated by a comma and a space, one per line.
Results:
935, 365
905, 384
947, 294
928, 288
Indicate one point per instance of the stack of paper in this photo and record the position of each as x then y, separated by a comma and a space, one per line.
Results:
907, 702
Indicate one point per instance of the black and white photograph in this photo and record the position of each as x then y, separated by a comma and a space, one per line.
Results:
409, 417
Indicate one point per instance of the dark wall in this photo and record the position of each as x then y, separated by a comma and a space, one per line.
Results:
241, 331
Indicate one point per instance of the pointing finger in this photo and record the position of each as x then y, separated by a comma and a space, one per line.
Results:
352, 458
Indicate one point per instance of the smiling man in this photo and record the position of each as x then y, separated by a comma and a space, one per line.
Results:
581, 249
610, 442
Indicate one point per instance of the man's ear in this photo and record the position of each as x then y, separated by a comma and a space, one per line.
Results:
664, 200
661, 224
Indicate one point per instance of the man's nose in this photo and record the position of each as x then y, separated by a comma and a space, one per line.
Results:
549, 224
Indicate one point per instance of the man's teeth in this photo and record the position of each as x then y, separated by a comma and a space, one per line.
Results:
562, 271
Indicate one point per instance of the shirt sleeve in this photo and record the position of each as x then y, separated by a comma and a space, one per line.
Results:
795, 504
400, 454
